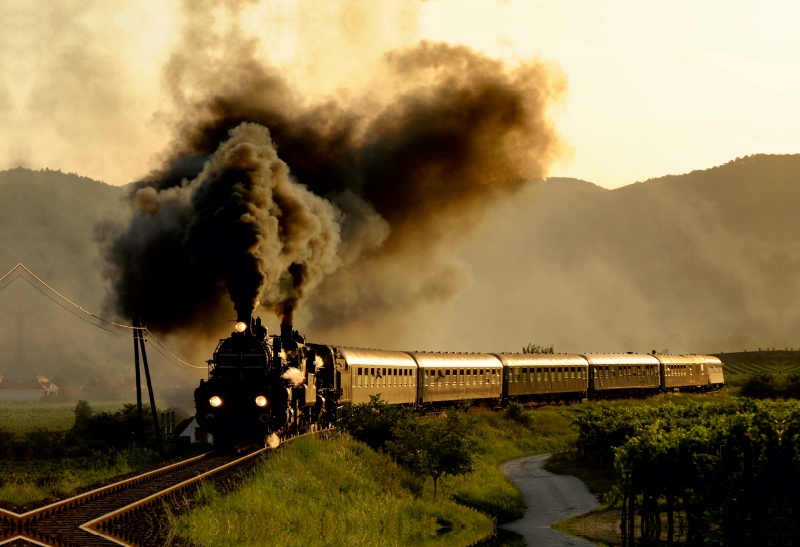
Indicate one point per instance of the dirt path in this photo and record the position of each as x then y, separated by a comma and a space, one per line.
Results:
550, 498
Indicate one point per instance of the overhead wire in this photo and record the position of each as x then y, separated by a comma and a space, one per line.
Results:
69, 310
143, 328
168, 351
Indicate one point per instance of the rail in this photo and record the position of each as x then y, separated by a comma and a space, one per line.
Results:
27, 526
103, 526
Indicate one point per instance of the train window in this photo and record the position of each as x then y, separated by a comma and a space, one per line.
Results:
559, 374
701, 368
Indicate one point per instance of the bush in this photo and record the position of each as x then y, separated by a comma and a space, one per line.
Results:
374, 423
761, 386
791, 387
517, 413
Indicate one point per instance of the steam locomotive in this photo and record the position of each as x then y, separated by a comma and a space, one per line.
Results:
261, 386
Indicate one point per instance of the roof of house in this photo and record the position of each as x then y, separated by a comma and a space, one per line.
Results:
40, 382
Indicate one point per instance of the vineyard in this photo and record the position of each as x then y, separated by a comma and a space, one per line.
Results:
741, 366
729, 468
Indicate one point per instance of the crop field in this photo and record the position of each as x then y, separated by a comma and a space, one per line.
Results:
740, 366
58, 415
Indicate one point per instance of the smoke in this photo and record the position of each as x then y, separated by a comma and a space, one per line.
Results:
351, 208
294, 376
273, 441
242, 224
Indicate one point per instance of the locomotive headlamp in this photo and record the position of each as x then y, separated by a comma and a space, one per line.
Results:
261, 400
215, 401
241, 326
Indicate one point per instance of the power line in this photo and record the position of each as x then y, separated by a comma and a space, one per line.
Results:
143, 329
69, 310
168, 351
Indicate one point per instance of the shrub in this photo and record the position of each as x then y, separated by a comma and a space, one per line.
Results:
761, 386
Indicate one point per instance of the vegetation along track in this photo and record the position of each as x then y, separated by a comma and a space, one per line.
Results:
129, 512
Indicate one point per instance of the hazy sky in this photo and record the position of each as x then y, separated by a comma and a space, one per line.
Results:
654, 88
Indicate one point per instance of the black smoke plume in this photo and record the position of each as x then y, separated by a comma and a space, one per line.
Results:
264, 198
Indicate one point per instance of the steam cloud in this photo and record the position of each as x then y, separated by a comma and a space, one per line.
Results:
264, 198
294, 376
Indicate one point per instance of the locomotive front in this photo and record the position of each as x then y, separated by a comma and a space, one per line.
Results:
244, 399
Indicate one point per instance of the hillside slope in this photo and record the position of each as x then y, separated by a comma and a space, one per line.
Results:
700, 262
47, 222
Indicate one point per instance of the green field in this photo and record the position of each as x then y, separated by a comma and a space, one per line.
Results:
741, 365
22, 481
57, 415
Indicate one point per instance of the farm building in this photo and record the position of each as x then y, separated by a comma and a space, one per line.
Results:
28, 391
196, 434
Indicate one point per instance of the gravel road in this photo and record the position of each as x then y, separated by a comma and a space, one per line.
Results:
550, 498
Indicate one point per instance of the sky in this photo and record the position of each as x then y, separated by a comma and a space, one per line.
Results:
653, 88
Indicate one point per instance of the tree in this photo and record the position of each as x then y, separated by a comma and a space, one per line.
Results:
536, 348
450, 447
83, 412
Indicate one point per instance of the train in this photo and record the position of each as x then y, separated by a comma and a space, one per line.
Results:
261, 386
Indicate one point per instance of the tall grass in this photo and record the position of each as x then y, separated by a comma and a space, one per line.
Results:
501, 439
24, 482
338, 492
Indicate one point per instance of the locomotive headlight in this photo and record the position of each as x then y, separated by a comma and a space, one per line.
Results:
241, 326
215, 401
261, 400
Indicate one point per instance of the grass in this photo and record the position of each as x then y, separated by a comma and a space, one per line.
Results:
340, 492
24, 482
56, 415
329, 493
500, 439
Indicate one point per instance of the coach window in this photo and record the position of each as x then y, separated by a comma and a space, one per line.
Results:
461, 376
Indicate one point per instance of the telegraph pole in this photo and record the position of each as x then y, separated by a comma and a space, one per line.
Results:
156, 425
139, 432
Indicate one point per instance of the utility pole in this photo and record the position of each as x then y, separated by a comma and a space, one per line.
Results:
156, 425
139, 432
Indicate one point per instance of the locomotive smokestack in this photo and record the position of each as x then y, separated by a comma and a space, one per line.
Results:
286, 333
244, 317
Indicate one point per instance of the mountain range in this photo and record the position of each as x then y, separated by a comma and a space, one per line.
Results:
701, 262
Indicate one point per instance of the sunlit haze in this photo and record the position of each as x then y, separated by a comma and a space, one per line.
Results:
653, 88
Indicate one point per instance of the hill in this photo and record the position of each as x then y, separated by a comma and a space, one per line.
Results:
705, 261
47, 222
702, 262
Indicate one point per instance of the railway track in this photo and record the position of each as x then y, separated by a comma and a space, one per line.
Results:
130, 512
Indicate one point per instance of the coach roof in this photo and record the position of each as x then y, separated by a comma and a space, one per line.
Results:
540, 359
620, 359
